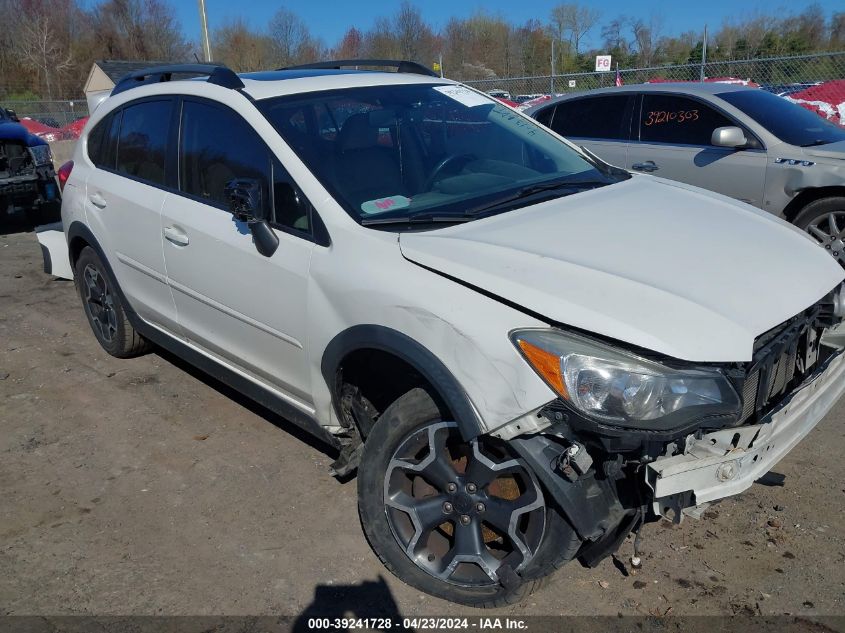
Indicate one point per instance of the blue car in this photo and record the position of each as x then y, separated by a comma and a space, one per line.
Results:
27, 179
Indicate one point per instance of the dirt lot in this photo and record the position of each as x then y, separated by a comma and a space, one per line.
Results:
143, 487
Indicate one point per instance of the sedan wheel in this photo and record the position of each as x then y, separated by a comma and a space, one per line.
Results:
829, 230
824, 220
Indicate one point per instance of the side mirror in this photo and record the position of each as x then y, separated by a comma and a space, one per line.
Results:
729, 136
246, 204
12, 115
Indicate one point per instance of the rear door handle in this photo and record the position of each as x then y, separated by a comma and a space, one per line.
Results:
648, 165
97, 200
176, 236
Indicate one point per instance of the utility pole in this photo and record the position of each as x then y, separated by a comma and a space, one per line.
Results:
440, 63
206, 45
552, 82
703, 54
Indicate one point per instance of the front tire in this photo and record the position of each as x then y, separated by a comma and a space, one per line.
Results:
104, 309
825, 220
464, 521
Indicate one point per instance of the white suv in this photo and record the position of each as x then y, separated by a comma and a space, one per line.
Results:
525, 353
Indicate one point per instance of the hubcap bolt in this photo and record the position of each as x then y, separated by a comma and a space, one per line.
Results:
451, 487
827, 247
447, 507
464, 519
480, 507
471, 488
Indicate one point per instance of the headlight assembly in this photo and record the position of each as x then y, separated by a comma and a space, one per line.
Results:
41, 154
613, 386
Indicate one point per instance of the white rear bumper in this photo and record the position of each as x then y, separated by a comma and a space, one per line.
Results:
54, 250
727, 462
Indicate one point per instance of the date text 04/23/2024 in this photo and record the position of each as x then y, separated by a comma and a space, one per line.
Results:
418, 624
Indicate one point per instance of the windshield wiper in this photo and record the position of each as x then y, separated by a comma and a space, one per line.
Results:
418, 218
552, 188
530, 191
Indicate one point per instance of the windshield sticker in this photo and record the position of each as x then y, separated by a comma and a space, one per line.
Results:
464, 96
382, 205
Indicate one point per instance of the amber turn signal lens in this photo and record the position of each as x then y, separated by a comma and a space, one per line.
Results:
546, 364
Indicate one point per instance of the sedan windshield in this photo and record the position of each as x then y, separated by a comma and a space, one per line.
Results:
428, 153
788, 121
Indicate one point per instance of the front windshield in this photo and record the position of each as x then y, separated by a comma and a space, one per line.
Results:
788, 121
428, 151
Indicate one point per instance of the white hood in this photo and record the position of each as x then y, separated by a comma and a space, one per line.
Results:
663, 266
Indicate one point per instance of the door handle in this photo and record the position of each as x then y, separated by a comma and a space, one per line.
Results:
176, 236
97, 200
648, 165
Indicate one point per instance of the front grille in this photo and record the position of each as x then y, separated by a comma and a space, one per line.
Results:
749, 395
783, 356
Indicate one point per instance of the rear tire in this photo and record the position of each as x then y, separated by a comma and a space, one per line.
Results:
548, 541
824, 220
104, 309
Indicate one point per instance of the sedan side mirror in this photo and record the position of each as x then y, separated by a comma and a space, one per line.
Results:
245, 197
729, 136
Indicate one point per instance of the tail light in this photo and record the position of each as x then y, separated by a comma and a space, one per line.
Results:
64, 174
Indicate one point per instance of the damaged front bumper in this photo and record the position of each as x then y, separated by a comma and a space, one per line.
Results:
727, 462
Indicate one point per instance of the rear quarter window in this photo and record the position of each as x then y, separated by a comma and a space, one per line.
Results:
102, 141
545, 115
592, 117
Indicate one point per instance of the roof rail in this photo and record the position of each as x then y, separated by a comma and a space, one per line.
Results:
400, 65
217, 74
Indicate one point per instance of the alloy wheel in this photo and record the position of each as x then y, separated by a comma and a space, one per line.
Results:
100, 303
829, 230
460, 510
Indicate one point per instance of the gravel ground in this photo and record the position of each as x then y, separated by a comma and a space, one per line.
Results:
144, 487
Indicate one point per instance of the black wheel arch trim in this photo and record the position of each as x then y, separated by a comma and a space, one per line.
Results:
79, 230
211, 367
385, 339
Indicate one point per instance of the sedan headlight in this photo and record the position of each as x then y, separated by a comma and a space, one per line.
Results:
41, 154
614, 386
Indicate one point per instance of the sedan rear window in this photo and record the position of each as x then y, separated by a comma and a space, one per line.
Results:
789, 122
666, 118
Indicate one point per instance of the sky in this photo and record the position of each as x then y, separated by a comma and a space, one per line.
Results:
330, 20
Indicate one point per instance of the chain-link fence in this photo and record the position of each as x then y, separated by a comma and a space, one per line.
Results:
52, 113
782, 75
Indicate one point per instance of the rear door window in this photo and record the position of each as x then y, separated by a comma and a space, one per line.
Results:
678, 120
102, 141
605, 117
142, 142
